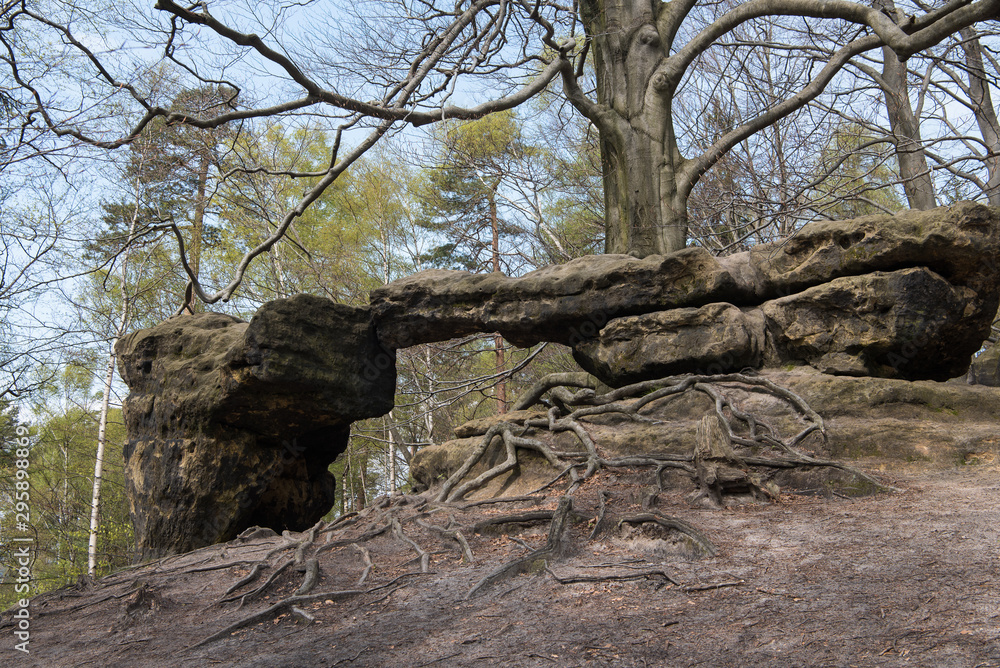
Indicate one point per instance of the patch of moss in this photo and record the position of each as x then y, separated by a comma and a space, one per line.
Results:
855, 487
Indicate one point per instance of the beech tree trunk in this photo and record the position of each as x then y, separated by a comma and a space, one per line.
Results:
986, 115
646, 213
913, 168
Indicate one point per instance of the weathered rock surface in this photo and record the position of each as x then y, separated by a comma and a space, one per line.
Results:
959, 243
715, 338
573, 302
985, 369
908, 324
562, 303
234, 424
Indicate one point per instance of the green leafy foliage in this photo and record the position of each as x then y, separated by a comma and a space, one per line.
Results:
63, 436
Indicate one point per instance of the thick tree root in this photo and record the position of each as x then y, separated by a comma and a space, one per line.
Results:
700, 541
535, 561
311, 577
716, 469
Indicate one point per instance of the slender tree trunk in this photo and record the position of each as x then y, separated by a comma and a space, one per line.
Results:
362, 474
102, 430
390, 433
501, 363
986, 115
343, 486
905, 127
430, 408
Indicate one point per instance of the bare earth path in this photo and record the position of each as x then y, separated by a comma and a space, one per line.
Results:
910, 579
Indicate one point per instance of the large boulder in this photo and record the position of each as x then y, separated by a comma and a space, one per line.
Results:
234, 424
909, 324
563, 303
910, 296
716, 338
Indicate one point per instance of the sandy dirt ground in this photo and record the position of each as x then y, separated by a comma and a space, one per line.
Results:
903, 579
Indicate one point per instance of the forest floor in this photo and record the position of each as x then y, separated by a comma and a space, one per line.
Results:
903, 579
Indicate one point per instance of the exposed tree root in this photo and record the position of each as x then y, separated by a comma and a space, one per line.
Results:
453, 534
505, 432
715, 585
527, 517
279, 607
555, 545
367, 559
368, 535
311, 578
534, 393
503, 499
303, 615
701, 542
613, 577
248, 579
716, 468
425, 558
603, 496
243, 598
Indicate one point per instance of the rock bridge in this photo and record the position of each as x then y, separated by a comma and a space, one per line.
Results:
234, 424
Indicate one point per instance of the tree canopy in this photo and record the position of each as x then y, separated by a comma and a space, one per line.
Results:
639, 71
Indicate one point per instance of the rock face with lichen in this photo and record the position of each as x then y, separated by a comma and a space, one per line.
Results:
234, 424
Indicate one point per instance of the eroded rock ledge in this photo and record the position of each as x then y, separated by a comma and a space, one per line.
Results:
908, 296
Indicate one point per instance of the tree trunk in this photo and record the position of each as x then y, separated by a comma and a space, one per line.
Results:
390, 433
124, 316
501, 363
646, 211
102, 430
913, 169
986, 115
